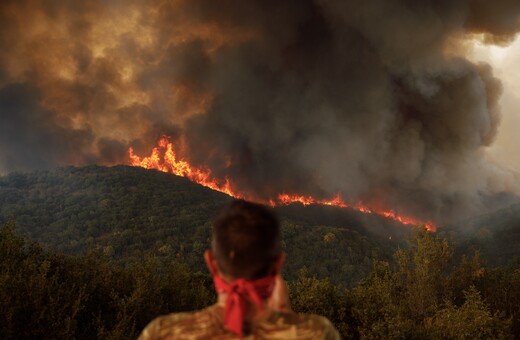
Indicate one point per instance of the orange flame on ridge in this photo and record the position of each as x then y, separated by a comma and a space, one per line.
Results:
171, 164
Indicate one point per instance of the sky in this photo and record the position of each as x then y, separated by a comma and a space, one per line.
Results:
383, 102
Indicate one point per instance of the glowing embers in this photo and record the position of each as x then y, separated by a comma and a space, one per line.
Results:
164, 158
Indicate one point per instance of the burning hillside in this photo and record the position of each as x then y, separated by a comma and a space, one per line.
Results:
164, 158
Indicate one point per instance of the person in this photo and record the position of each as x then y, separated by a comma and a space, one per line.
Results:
245, 261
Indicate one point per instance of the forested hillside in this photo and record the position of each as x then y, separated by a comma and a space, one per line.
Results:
118, 246
423, 294
128, 213
496, 235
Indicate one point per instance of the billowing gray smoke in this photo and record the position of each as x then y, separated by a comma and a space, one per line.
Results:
365, 98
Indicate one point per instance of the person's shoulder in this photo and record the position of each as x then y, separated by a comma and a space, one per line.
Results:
192, 325
159, 327
289, 325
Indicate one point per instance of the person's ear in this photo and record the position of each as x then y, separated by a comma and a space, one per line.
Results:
279, 299
278, 264
211, 262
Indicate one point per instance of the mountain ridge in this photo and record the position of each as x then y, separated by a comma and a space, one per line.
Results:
128, 212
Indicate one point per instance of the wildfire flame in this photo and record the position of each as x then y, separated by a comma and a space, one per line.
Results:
170, 163
164, 158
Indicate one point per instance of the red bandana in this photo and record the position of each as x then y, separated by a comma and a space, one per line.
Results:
239, 292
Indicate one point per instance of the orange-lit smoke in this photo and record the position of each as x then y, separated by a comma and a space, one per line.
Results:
164, 158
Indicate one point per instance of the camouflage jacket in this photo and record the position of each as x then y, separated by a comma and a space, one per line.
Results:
208, 324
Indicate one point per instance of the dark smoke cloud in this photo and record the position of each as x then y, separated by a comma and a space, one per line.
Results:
28, 137
310, 97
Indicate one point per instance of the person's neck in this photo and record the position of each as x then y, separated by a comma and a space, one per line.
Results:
254, 314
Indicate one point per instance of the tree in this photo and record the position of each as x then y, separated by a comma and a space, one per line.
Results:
425, 296
472, 320
314, 296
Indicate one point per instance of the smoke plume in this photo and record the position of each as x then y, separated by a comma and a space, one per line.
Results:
366, 98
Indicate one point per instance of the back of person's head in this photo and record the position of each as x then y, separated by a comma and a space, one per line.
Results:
246, 240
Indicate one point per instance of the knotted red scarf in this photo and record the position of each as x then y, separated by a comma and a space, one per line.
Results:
239, 292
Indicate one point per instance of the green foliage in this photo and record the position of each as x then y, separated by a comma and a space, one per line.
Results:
500, 288
472, 320
52, 296
343, 256
377, 305
422, 273
134, 241
495, 235
128, 213
425, 294
418, 298
321, 297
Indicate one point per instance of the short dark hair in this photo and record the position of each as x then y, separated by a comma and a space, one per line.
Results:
246, 240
